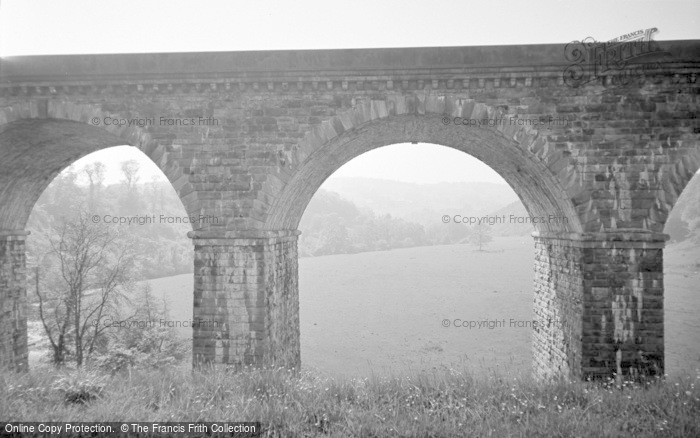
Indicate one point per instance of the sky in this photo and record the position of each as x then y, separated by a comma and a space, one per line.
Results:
69, 27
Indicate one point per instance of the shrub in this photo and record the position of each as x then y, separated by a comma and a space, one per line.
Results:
116, 359
80, 386
154, 348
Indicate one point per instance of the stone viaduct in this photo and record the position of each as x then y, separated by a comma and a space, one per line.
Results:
248, 137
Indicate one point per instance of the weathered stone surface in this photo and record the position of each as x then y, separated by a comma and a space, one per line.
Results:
13, 301
249, 137
601, 297
246, 301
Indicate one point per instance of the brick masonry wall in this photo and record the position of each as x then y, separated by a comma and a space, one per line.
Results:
558, 302
13, 302
623, 326
246, 301
600, 297
282, 346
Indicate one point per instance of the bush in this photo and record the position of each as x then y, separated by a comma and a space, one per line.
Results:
154, 348
80, 386
115, 360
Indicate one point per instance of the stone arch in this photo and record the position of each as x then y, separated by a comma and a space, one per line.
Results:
39, 140
537, 172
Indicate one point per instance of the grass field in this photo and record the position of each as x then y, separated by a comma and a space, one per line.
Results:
444, 403
382, 311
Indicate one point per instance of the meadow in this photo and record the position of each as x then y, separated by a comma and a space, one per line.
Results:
381, 312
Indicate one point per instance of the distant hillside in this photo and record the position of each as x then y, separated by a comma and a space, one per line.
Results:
510, 228
423, 203
333, 225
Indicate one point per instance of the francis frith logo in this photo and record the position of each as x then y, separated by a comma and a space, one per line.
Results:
592, 60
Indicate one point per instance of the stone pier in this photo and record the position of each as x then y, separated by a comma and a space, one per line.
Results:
13, 301
599, 302
246, 299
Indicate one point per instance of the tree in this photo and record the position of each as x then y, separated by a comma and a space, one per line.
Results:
130, 170
55, 316
91, 272
333, 236
156, 193
480, 235
130, 201
64, 194
95, 173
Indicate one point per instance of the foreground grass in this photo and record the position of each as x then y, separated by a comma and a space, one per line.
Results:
446, 403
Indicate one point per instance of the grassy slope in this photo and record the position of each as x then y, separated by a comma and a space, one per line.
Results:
446, 403
380, 311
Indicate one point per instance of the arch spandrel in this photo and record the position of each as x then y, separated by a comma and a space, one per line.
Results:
518, 154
